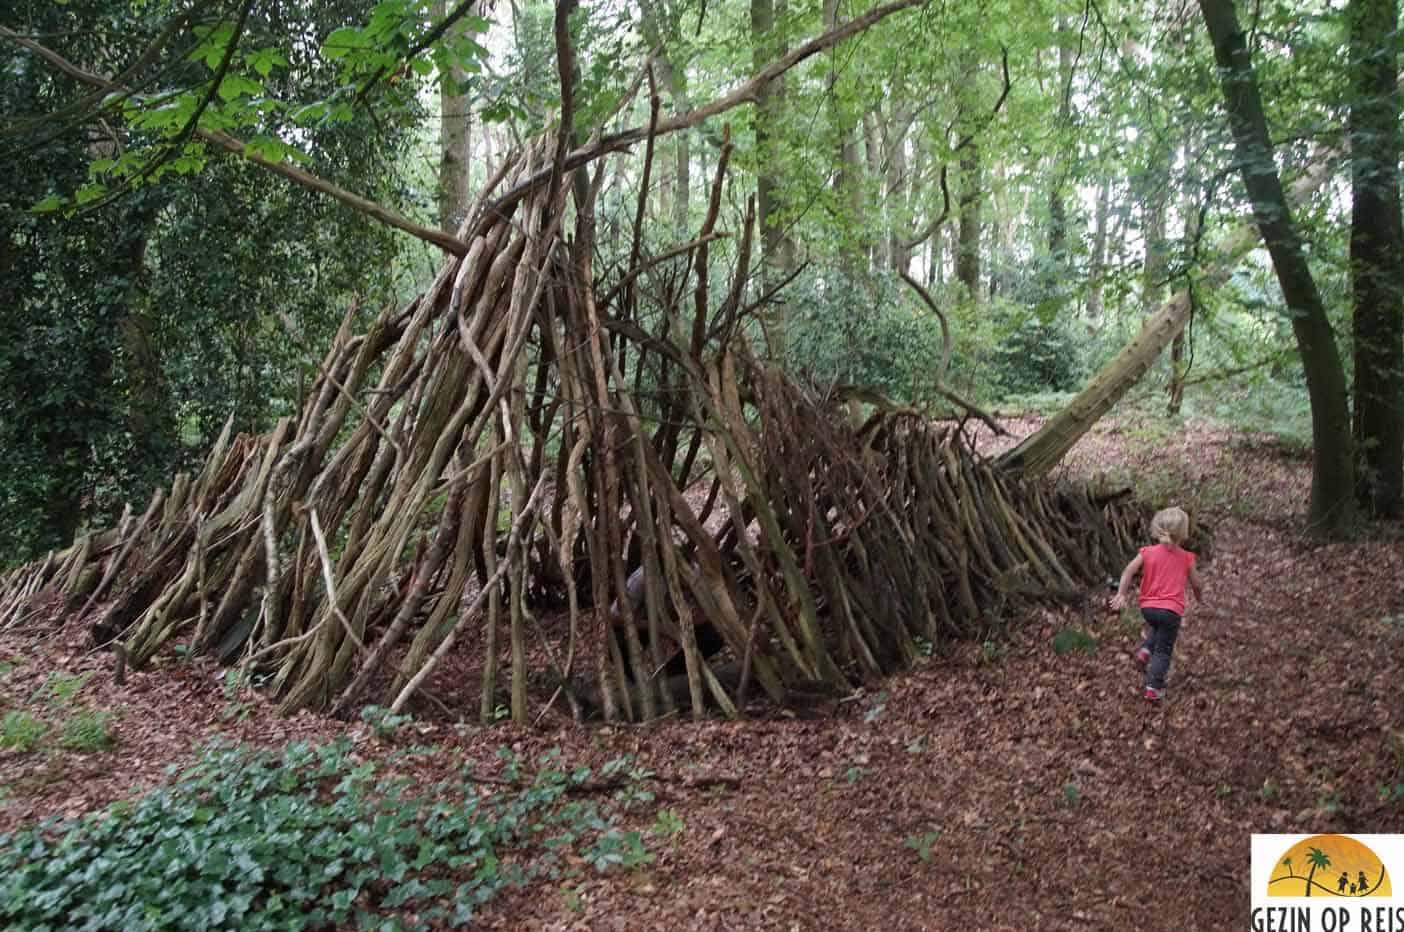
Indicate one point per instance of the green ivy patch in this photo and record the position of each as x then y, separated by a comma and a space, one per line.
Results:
1071, 639
308, 837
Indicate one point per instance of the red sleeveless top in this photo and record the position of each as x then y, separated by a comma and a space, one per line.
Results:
1164, 572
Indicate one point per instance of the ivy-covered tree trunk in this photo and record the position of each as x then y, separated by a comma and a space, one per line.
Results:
1333, 467
1376, 256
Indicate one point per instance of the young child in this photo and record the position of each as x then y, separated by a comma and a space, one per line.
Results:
1164, 568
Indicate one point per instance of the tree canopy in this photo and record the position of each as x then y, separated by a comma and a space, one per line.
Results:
1049, 171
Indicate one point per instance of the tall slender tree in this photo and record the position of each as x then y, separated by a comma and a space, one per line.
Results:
1376, 255
455, 137
1332, 506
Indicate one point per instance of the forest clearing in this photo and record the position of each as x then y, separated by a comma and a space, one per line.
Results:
998, 785
695, 465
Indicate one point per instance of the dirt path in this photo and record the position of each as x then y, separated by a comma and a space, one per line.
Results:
1001, 786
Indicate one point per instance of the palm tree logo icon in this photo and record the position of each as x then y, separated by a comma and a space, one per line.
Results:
1362, 873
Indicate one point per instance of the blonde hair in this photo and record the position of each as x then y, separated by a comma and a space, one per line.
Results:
1170, 526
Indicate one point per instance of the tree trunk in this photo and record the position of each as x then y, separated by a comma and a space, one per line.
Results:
1375, 257
936, 260
1056, 275
967, 254
455, 140
879, 255
1333, 467
897, 186
660, 32
776, 249
848, 186
1189, 209
1099, 253
1042, 450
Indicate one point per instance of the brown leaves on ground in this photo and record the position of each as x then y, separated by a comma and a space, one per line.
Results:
998, 786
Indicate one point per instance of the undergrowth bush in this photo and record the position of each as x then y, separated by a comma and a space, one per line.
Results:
309, 837
864, 333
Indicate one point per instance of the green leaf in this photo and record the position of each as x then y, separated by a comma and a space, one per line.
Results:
342, 42
90, 192
263, 61
49, 204
235, 86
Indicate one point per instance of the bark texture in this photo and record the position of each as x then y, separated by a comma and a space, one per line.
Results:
1376, 257
1332, 506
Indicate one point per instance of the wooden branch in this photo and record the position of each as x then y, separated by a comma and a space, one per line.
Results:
565, 67
935, 224
969, 137
296, 175
329, 580
946, 360
746, 93
434, 35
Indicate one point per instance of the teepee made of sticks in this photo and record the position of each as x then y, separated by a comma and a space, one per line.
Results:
483, 469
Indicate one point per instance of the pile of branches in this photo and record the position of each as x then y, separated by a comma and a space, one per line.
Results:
522, 429
528, 431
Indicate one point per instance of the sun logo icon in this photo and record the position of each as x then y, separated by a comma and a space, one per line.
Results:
1329, 865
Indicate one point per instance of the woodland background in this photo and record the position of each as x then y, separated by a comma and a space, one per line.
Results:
1050, 171
1160, 244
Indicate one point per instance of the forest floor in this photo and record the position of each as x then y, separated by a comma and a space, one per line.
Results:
999, 785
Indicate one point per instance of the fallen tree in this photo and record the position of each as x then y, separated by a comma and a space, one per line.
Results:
1039, 452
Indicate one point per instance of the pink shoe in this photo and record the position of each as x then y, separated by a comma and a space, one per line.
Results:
1142, 656
1152, 694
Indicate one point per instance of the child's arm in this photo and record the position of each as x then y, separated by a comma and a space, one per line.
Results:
1127, 575
1196, 584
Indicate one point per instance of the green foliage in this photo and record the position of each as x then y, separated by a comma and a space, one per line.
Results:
61, 688
863, 333
79, 729
877, 704
88, 730
1037, 350
923, 843
305, 838
136, 325
1073, 639
1072, 796
615, 848
383, 722
669, 823
1267, 407
22, 731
